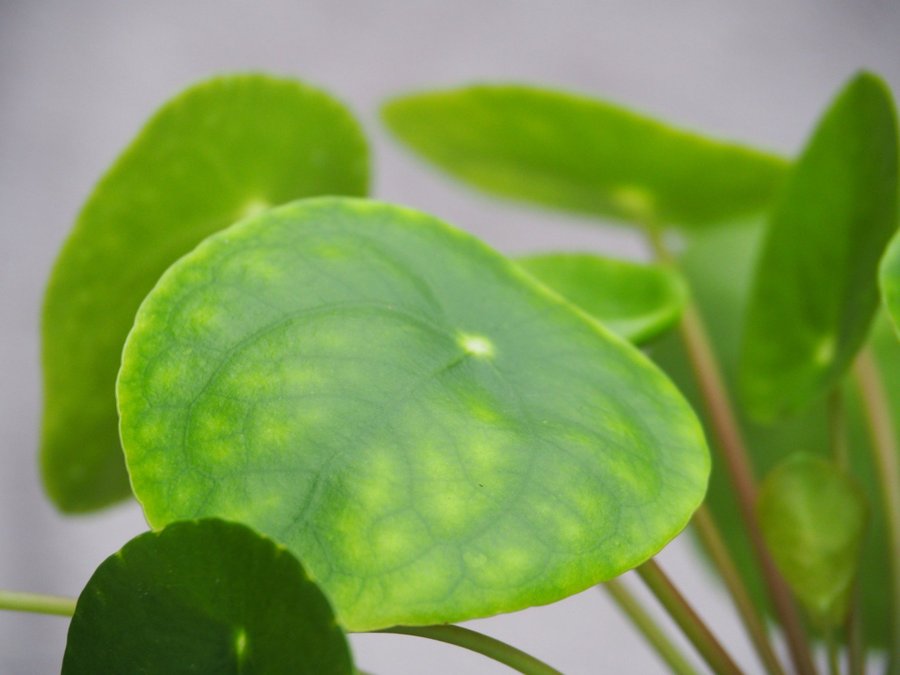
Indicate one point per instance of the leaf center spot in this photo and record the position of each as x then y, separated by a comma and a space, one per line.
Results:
476, 345
634, 201
240, 644
253, 207
824, 353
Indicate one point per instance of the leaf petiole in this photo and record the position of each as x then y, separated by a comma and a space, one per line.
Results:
711, 537
730, 443
478, 642
719, 661
651, 631
36, 603
885, 452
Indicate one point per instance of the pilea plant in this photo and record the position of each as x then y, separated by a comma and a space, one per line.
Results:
343, 415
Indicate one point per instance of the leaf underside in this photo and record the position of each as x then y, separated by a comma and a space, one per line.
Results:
637, 302
584, 155
219, 151
205, 597
890, 281
813, 518
433, 433
815, 291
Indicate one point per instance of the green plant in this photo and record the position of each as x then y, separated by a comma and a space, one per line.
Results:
438, 433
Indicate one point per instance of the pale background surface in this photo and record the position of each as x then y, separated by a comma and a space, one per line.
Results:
77, 79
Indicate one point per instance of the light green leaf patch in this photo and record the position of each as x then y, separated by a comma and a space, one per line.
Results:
637, 302
813, 518
890, 280
205, 598
436, 435
221, 150
583, 155
815, 289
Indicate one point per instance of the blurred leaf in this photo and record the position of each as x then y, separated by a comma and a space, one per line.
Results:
890, 280
434, 433
222, 149
813, 519
204, 597
583, 155
815, 290
718, 267
637, 302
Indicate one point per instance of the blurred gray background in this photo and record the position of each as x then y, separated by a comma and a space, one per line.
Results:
78, 77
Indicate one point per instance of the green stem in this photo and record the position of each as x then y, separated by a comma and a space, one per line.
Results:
736, 457
884, 446
478, 642
39, 604
831, 644
856, 653
687, 619
837, 432
651, 631
712, 540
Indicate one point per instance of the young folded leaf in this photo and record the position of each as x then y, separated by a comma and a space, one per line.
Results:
436, 435
204, 598
813, 518
219, 151
890, 280
584, 155
815, 289
637, 302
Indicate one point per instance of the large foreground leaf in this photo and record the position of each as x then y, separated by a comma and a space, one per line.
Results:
718, 266
205, 598
220, 150
813, 518
637, 302
433, 433
583, 155
890, 280
816, 284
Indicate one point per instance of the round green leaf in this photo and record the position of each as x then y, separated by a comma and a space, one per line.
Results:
583, 155
718, 266
204, 597
637, 302
436, 435
219, 151
816, 285
813, 518
890, 280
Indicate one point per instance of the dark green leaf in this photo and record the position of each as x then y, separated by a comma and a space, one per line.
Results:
813, 518
637, 302
815, 290
220, 150
583, 155
718, 267
890, 280
435, 434
204, 597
